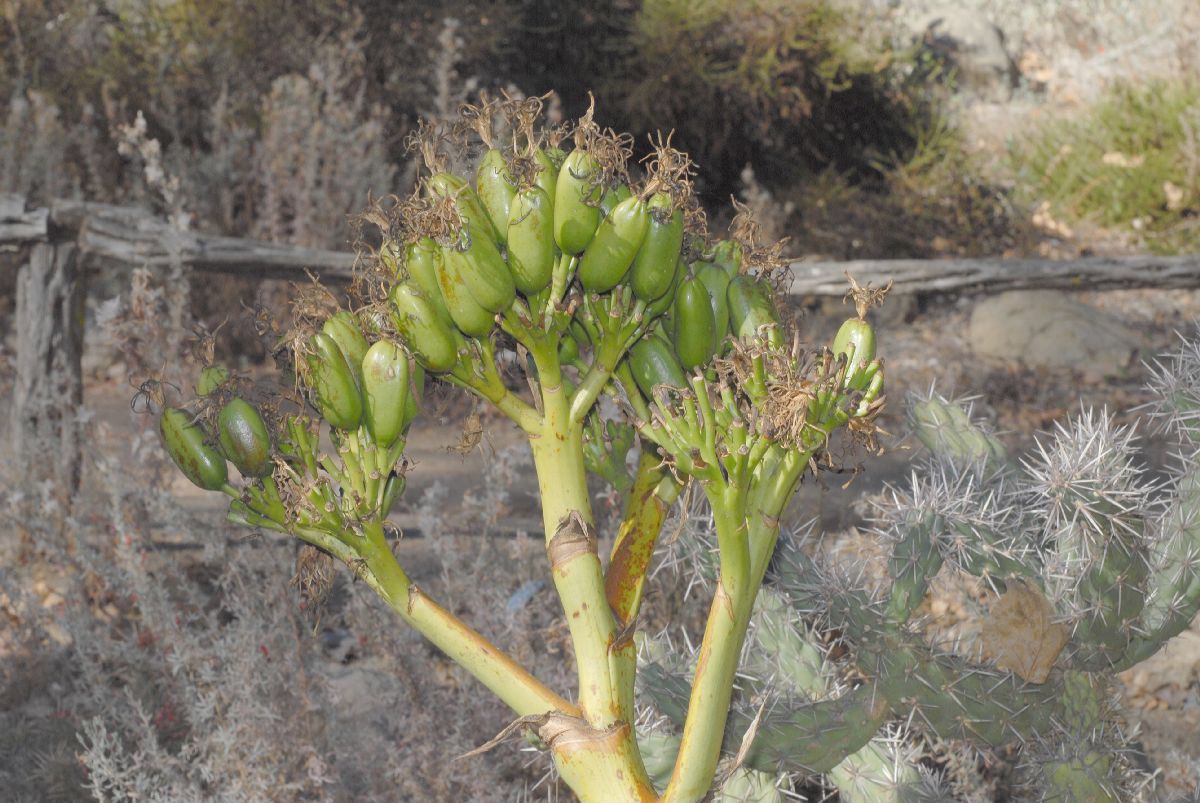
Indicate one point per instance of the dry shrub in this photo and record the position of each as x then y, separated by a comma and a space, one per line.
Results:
322, 150
44, 157
147, 668
151, 654
204, 74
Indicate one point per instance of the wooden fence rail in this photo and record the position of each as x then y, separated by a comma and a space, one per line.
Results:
993, 275
131, 237
66, 238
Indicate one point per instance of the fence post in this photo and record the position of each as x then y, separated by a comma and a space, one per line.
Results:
48, 390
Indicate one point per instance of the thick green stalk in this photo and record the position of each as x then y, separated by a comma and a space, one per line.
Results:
712, 690
575, 566
750, 535
571, 547
774, 485
712, 686
598, 753
600, 766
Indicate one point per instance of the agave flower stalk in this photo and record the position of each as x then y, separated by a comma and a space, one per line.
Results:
461, 277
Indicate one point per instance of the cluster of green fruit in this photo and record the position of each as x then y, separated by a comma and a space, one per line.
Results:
541, 239
368, 393
536, 224
240, 437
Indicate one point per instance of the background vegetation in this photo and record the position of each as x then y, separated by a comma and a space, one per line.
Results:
1130, 162
277, 118
842, 127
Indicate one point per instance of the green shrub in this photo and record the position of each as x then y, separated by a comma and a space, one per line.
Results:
946, 204
1130, 162
790, 86
785, 85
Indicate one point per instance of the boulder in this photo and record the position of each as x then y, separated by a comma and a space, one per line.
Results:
1049, 329
974, 47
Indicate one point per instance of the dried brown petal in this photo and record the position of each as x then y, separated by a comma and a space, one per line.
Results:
1020, 633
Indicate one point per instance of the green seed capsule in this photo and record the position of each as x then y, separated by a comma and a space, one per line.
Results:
716, 281
244, 438
421, 263
334, 383
477, 222
385, 391
549, 161
531, 240
613, 196
416, 392
432, 341
485, 274
577, 202
751, 306
211, 378
184, 442
495, 186
653, 363
693, 324
729, 255
663, 303
653, 268
618, 238
345, 331
856, 341
392, 490
466, 313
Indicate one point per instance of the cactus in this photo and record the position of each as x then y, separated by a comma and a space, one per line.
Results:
451, 294
1091, 566
1098, 560
789, 689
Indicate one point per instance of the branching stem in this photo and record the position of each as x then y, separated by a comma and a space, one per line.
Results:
373, 560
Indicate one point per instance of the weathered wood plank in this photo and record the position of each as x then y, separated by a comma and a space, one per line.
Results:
132, 237
997, 275
48, 386
19, 226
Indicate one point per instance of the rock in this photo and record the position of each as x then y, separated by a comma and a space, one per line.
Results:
974, 47
1176, 665
1048, 329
